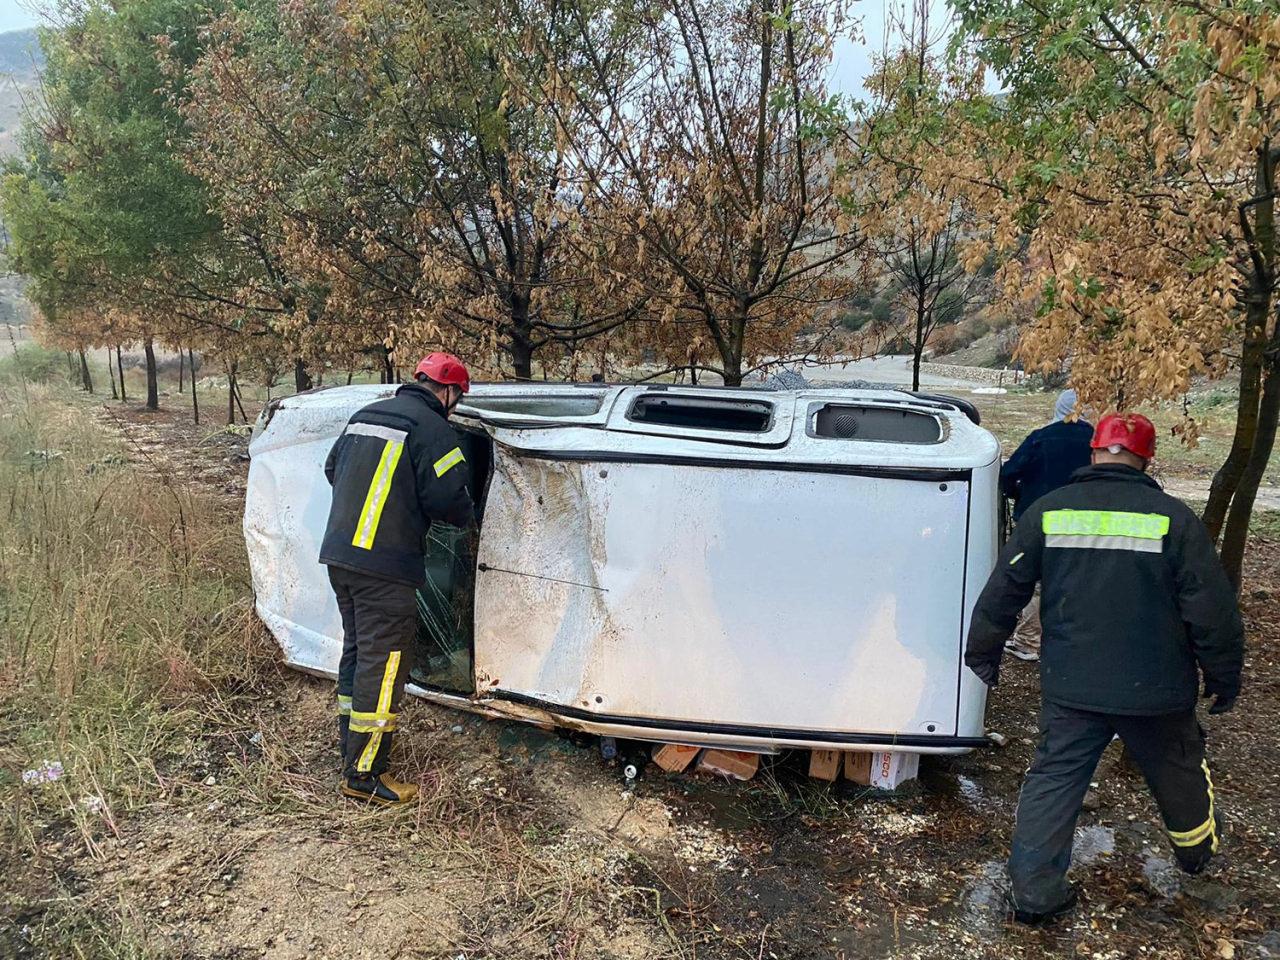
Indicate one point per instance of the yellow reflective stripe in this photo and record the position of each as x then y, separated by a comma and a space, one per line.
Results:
371, 716
365, 763
1016, 559
362, 722
388, 682
376, 498
1191, 838
1198, 835
344, 704
448, 461
358, 727
1105, 523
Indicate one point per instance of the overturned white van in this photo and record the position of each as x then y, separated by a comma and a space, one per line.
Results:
741, 568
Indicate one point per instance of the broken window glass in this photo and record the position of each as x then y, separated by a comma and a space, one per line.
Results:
533, 405
446, 602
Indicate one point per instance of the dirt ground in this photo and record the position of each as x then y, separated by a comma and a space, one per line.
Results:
528, 844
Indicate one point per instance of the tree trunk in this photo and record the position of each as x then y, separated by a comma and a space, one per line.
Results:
521, 358
85, 380
521, 341
71, 365
182, 363
1236, 534
301, 378
111, 372
244, 417
231, 393
153, 386
917, 348
1227, 479
195, 401
120, 368
351, 372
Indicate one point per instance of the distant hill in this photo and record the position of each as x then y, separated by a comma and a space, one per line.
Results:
20, 52
20, 63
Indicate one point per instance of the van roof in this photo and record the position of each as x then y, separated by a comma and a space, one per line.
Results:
819, 429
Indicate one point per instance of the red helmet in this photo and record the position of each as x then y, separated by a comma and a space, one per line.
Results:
1132, 431
444, 368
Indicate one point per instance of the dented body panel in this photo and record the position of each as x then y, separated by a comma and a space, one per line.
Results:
682, 581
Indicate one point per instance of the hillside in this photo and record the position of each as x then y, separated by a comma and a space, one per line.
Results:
20, 61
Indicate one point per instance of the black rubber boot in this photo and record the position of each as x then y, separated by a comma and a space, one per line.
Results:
1036, 919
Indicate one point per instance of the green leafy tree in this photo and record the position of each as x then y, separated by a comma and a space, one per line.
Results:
98, 206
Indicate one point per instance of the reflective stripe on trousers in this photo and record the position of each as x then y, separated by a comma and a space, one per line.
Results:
384, 708
1205, 831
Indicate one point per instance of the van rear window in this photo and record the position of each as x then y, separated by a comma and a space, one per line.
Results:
539, 406
843, 421
703, 413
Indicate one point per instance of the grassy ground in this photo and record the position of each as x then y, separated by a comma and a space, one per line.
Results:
1012, 415
195, 816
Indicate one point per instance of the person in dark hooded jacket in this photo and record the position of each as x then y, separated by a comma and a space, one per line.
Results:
1048, 457
1043, 462
1137, 613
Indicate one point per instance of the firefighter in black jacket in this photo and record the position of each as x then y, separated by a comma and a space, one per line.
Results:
1134, 604
395, 469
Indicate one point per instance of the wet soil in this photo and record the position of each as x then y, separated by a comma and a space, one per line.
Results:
528, 843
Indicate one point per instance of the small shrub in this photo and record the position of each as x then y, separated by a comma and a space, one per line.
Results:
853, 321
34, 364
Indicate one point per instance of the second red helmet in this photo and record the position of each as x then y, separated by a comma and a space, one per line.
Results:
445, 368
1132, 431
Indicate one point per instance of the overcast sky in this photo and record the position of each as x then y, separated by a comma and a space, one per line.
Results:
880, 22
16, 15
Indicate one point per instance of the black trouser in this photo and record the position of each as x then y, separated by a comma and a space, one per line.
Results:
379, 619
1169, 750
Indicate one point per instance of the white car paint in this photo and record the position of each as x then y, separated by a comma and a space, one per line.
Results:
763, 590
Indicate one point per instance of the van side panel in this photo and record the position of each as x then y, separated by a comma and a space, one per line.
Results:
760, 598
984, 546
286, 509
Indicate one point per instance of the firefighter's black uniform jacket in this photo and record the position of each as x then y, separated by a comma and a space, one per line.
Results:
395, 469
1133, 598
1133, 601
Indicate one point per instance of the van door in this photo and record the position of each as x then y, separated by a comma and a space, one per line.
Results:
721, 597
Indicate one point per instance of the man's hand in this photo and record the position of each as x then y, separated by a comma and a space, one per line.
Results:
988, 673
1222, 704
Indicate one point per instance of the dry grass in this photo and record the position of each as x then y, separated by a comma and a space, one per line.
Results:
129, 654
124, 631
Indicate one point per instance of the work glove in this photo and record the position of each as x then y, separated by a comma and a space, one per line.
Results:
988, 672
1222, 704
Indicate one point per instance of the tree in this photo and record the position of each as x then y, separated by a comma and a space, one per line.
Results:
720, 144
1138, 147
917, 101
404, 171
100, 208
